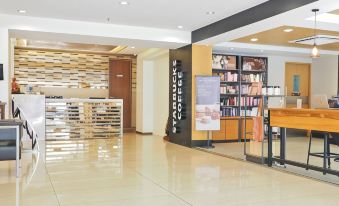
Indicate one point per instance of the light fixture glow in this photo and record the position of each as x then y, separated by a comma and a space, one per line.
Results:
124, 3
254, 39
21, 11
315, 51
288, 30
232, 48
180, 27
132, 47
210, 12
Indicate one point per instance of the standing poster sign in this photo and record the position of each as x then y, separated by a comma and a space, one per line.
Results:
207, 108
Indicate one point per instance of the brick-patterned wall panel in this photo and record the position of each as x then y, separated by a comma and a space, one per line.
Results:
47, 68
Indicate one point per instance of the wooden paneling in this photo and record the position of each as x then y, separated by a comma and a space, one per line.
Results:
120, 85
249, 128
232, 129
201, 65
53, 68
278, 37
306, 119
221, 134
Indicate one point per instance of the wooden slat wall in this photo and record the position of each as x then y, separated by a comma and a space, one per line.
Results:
63, 69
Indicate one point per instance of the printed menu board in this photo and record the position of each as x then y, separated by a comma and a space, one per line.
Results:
207, 108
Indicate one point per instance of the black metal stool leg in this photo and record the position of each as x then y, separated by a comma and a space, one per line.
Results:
325, 153
329, 154
309, 150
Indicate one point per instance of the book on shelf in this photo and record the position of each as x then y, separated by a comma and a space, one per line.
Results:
252, 77
249, 101
227, 76
228, 112
253, 89
229, 90
232, 101
249, 112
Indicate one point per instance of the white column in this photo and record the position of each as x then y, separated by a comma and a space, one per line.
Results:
144, 107
4, 57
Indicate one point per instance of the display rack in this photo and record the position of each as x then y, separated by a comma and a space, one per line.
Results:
83, 118
235, 85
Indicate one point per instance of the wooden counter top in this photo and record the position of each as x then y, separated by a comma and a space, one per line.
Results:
307, 119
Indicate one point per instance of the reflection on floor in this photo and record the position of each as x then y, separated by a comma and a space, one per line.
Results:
145, 171
296, 150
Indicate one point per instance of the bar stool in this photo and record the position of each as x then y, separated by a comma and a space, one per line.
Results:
327, 155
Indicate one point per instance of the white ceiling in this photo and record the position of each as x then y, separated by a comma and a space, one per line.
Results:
191, 14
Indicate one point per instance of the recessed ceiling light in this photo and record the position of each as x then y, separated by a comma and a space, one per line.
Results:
232, 48
254, 39
132, 47
288, 30
21, 11
180, 27
124, 3
210, 12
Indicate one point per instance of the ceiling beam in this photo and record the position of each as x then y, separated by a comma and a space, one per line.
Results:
260, 12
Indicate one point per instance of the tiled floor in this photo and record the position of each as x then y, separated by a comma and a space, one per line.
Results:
144, 170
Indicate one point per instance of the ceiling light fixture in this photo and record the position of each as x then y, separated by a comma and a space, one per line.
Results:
210, 12
124, 3
132, 47
288, 30
315, 51
180, 27
21, 11
254, 39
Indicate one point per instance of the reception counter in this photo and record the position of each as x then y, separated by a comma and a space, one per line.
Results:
83, 118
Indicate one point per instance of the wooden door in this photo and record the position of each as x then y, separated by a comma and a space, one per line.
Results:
298, 72
120, 86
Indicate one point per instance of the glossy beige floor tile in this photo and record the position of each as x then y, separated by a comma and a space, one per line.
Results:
145, 171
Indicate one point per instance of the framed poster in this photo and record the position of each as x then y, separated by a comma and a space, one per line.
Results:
254, 63
207, 108
227, 62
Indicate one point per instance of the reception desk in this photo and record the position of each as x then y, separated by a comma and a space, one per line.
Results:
83, 118
323, 120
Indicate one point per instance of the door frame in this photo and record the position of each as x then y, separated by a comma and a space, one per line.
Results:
309, 80
130, 85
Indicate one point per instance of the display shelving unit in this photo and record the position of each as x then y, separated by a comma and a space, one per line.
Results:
232, 104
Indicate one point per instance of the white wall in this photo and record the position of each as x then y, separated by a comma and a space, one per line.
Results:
4, 57
152, 91
324, 73
276, 69
144, 117
325, 76
161, 94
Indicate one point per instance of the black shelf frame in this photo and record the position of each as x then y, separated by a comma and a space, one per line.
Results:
239, 70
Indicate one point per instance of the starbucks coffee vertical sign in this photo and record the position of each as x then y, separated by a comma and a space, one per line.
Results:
178, 95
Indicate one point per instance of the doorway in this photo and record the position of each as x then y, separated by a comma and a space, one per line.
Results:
120, 87
297, 82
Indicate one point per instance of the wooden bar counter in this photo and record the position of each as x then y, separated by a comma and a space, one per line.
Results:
324, 120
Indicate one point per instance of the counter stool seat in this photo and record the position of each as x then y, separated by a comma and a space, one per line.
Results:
332, 139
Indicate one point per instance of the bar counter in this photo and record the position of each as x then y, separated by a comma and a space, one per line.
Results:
83, 118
